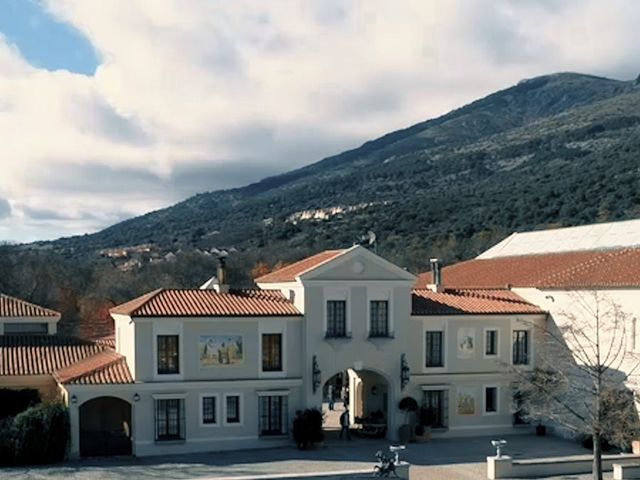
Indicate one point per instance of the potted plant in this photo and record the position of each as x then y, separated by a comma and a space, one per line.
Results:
422, 434
408, 405
307, 428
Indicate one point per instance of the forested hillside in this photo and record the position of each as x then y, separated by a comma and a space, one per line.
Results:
557, 150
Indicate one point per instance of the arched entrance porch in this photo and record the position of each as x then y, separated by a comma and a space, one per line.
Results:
105, 427
366, 394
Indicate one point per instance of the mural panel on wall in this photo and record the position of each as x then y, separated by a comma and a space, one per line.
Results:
466, 342
466, 401
220, 350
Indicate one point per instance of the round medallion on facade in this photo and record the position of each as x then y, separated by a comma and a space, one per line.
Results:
358, 267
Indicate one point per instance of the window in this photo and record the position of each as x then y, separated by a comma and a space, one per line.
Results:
520, 347
379, 318
209, 410
168, 359
490, 399
271, 352
232, 409
491, 343
336, 318
434, 409
273, 415
434, 351
26, 328
169, 419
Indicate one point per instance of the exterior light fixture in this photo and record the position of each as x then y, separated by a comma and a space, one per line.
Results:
136, 397
315, 374
73, 399
374, 390
405, 371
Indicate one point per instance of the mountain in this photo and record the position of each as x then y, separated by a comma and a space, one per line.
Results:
560, 149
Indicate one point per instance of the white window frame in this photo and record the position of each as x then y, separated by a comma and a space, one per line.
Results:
217, 412
168, 329
267, 327
379, 294
337, 294
484, 342
169, 396
515, 327
275, 393
240, 409
484, 400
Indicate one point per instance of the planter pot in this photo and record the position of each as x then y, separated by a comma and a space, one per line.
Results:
404, 433
541, 430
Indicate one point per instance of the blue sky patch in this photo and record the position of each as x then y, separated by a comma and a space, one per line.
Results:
43, 40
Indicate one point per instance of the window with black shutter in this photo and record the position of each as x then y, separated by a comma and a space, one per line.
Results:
520, 347
271, 352
168, 354
169, 416
336, 318
434, 349
379, 318
273, 415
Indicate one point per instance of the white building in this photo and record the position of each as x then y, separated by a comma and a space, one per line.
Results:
217, 369
214, 369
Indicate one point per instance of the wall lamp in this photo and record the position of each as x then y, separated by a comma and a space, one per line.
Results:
73, 399
405, 372
315, 374
136, 397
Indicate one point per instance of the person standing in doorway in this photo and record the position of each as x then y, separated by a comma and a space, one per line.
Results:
344, 423
331, 400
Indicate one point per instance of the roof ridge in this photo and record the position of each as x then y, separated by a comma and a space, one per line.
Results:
115, 357
52, 312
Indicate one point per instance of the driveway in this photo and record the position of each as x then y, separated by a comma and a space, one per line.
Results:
462, 458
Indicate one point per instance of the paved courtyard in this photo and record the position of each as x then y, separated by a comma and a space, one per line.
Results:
462, 459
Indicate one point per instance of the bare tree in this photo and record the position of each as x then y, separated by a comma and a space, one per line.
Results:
582, 380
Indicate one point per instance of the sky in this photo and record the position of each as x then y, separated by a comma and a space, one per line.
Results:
111, 109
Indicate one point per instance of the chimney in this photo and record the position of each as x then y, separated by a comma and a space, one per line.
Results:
436, 273
222, 286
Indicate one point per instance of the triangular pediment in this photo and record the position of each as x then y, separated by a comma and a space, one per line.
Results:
355, 264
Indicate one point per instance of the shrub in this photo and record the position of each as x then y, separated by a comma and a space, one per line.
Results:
12, 402
40, 434
408, 404
307, 428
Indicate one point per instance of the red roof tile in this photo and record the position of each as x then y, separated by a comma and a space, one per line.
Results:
459, 302
42, 354
14, 307
291, 272
585, 269
106, 367
209, 303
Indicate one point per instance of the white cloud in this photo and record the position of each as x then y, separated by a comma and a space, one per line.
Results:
261, 87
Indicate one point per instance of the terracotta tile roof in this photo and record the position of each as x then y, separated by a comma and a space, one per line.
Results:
14, 307
291, 272
613, 268
460, 302
209, 303
106, 367
42, 354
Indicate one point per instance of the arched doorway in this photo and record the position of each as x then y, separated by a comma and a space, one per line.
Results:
105, 427
366, 394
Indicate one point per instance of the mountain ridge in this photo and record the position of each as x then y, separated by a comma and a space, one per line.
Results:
447, 155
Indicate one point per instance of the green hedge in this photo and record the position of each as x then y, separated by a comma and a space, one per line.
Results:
12, 402
38, 435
